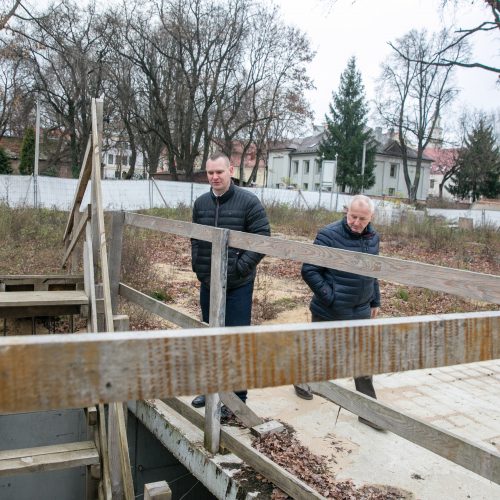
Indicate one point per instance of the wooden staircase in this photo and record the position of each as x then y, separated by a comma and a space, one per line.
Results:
42, 303
106, 455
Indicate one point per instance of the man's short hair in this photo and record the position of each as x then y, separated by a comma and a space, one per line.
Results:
219, 154
363, 200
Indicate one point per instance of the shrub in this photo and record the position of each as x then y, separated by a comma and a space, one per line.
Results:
5, 165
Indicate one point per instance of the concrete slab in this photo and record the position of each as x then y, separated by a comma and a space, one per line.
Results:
462, 399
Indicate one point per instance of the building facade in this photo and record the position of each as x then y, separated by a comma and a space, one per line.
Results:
297, 165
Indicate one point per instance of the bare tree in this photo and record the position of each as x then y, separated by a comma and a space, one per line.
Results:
7, 10
66, 48
412, 94
263, 92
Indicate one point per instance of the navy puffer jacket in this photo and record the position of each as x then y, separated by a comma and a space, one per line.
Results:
236, 209
338, 294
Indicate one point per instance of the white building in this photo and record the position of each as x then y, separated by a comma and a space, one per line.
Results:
116, 160
296, 164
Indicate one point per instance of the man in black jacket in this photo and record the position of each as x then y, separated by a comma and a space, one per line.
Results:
339, 295
230, 207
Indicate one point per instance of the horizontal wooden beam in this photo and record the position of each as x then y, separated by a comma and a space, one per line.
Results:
77, 234
180, 228
231, 440
468, 284
75, 371
159, 308
45, 458
472, 456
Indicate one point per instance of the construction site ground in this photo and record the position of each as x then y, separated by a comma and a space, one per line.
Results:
462, 399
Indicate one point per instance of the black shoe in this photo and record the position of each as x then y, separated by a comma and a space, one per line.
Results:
198, 401
370, 424
303, 391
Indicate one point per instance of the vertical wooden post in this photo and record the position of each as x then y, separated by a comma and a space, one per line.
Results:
97, 104
119, 461
115, 257
157, 491
218, 283
74, 256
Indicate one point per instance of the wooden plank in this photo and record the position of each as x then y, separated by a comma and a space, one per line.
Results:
157, 491
83, 180
218, 283
39, 311
46, 458
88, 266
74, 371
42, 279
479, 286
119, 461
74, 256
159, 308
248, 417
100, 242
473, 456
231, 439
103, 451
85, 216
180, 228
43, 298
468, 284
115, 257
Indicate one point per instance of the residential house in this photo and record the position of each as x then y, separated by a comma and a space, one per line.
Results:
297, 164
116, 160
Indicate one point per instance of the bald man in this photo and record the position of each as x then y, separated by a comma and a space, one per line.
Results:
339, 295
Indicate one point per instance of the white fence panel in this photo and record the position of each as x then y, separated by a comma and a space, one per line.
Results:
56, 192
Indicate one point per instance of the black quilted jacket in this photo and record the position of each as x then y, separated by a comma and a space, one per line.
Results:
339, 294
236, 209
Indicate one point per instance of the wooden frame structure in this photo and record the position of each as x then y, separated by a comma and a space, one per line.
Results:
111, 365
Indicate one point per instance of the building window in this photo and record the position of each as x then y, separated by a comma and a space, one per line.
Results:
306, 186
316, 186
306, 166
394, 169
392, 191
295, 164
318, 166
110, 159
432, 183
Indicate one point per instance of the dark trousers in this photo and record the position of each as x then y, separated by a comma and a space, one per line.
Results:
363, 384
238, 311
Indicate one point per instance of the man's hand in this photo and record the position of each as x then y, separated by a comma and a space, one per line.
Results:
374, 312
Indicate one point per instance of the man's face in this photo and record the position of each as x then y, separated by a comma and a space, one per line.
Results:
219, 175
359, 216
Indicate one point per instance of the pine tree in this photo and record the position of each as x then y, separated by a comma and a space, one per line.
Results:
347, 131
27, 156
5, 166
478, 172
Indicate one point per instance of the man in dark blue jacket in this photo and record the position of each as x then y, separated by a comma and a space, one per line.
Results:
339, 295
230, 207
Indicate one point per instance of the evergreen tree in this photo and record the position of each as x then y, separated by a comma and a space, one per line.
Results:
478, 172
5, 167
347, 131
27, 156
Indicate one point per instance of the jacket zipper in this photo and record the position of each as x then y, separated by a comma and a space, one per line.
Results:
217, 212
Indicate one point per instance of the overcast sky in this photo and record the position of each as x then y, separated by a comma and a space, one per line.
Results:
339, 29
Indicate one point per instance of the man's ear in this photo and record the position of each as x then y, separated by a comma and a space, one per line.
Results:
231, 169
